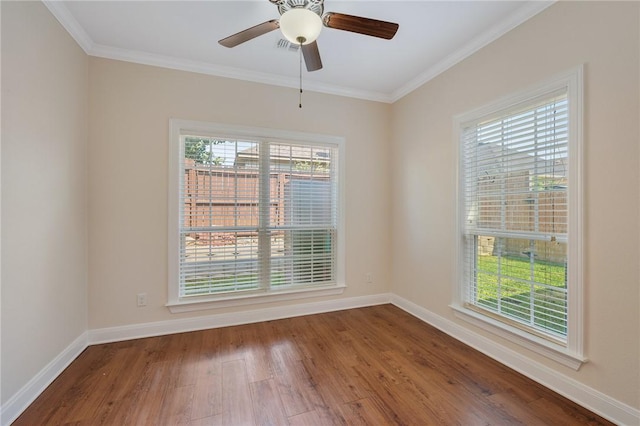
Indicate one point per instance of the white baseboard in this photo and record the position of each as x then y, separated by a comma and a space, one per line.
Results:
589, 398
29, 392
10, 411
601, 404
136, 331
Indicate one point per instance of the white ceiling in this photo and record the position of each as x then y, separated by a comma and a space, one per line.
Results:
433, 36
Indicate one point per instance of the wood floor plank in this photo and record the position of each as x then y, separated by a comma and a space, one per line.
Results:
96, 394
125, 395
64, 392
435, 391
297, 390
405, 406
256, 354
310, 418
236, 397
366, 412
453, 360
191, 345
329, 365
231, 347
376, 365
176, 405
208, 421
154, 386
207, 395
333, 382
267, 405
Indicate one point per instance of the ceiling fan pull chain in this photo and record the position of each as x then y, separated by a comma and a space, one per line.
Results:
300, 50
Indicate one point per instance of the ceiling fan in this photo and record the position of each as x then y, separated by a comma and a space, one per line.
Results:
301, 22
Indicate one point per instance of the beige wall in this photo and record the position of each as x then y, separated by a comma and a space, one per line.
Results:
605, 37
130, 108
400, 188
44, 203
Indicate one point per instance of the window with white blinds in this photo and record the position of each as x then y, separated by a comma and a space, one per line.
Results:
515, 203
515, 196
257, 215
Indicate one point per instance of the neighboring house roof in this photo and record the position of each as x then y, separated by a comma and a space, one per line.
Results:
284, 154
492, 164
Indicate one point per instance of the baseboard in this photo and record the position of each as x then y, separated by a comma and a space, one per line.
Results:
601, 404
589, 398
159, 328
10, 411
29, 392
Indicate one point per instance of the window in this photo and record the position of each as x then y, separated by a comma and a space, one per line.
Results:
519, 204
255, 213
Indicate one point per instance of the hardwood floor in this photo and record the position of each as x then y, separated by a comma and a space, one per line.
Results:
368, 366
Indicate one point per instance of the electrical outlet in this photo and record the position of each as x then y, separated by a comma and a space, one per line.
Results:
142, 299
368, 278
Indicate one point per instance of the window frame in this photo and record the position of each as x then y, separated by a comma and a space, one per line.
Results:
571, 352
178, 128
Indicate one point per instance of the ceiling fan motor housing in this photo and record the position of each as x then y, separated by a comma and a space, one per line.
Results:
301, 22
316, 6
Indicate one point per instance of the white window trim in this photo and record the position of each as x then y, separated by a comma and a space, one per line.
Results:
571, 355
177, 304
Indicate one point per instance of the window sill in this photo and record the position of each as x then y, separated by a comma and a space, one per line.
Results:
199, 304
534, 343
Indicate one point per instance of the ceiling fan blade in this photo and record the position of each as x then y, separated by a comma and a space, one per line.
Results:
357, 24
312, 56
250, 33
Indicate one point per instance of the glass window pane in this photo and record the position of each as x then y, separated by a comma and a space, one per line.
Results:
524, 280
215, 262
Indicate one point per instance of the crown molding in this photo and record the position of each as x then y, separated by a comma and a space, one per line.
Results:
66, 19
181, 64
476, 44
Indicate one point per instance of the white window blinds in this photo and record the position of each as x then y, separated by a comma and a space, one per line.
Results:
256, 215
515, 186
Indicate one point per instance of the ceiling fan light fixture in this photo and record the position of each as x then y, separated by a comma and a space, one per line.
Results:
300, 26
